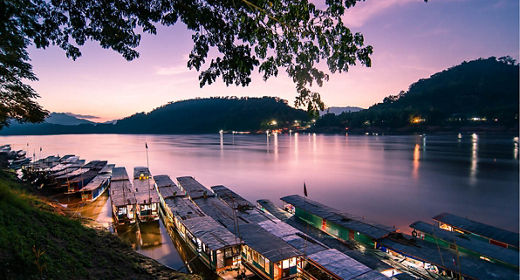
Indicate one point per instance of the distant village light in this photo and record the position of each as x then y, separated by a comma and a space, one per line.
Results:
417, 120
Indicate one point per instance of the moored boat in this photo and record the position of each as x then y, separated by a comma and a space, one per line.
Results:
146, 195
95, 188
122, 197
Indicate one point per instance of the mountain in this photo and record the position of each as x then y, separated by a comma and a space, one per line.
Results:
65, 119
204, 115
54, 118
339, 110
482, 92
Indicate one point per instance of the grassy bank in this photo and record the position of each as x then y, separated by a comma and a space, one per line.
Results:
37, 242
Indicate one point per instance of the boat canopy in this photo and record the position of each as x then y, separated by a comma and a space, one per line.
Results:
478, 228
96, 182
374, 231
211, 233
193, 188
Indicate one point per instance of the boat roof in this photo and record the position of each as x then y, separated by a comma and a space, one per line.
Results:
166, 187
259, 239
74, 173
231, 198
478, 228
72, 158
344, 266
59, 167
65, 171
267, 244
138, 170
145, 191
121, 193
218, 210
375, 231
119, 174
468, 265
273, 209
96, 182
107, 169
193, 188
246, 210
183, 208
476, 245
211, 233
65, 157
163, 181
96, 164
294, 237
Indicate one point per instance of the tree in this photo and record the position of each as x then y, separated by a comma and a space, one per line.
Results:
265, 35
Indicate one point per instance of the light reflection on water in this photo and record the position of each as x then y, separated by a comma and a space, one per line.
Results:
394, 180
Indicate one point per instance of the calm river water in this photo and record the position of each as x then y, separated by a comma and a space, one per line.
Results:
393, 180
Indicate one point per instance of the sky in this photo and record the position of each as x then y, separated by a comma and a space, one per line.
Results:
411, 40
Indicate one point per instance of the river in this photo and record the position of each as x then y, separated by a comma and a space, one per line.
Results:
392, 180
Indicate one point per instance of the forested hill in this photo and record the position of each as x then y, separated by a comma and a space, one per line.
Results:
207, 115
210, 115
479, 92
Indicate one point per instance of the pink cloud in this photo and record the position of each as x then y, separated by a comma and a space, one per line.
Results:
364, 11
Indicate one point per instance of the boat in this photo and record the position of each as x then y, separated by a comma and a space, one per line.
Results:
98, 185
78, 179
210, 241
95, 188
122, 197
146, 195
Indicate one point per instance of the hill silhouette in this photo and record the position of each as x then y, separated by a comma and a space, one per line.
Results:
204, 115
478, 92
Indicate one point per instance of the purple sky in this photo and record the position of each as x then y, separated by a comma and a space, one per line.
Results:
411, 40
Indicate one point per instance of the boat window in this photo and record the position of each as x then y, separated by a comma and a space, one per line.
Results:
285, 264
228, 253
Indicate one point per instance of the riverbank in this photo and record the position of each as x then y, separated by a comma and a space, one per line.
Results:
39, 240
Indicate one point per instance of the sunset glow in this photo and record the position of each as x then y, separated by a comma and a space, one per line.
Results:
411, 40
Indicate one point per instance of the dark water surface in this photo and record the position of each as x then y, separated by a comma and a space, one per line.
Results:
393, 180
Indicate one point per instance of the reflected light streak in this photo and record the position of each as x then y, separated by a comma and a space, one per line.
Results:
314, 145
267, 139
474, 157
275, 135
221, 132
416, 159
296, 144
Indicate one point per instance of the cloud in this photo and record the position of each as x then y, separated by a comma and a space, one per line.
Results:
82, 116
364, 11
173, 70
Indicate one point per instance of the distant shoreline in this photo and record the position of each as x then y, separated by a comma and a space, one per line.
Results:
370, 131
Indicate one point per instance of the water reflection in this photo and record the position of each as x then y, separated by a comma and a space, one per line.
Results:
296, 145
314, 147
474, 158
275, 137
515, 149
416, 158
267, 140
221, 132
365, 175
